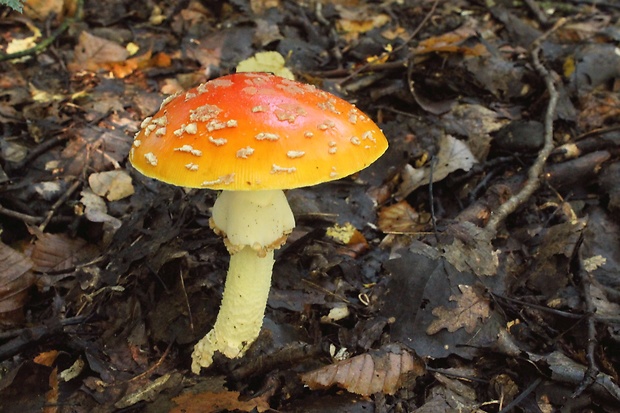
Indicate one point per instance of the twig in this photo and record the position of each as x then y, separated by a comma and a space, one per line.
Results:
566, 314
517, 400
589, 377
431, 197
189, 307
46, 42
58, 203
27, 336
538, 12
28, 219
533, 181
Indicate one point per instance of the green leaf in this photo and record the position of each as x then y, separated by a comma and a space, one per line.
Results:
14, 4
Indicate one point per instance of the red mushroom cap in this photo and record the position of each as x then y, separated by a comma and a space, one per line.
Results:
255, 131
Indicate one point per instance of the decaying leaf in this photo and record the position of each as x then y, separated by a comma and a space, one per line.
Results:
98, 148
96, 210
453, 155
471, 250
476, 122
114, 185
19, 45
452, 42
58, 252
401, 218
554, 251
592, 263
15, 280
211, 402
149, 390
92, 51
385, 370
360, 20
470, 306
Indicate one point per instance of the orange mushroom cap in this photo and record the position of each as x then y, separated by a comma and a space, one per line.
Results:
255, 131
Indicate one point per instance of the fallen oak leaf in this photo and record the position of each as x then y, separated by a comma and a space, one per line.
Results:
385, 370
470, 306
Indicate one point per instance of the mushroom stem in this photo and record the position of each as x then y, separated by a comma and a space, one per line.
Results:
253, 224
243, 306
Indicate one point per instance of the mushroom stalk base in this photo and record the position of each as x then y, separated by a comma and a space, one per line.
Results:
243, 306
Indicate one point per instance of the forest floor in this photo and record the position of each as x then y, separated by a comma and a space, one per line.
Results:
475, 267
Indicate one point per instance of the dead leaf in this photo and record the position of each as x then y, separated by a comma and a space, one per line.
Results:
476, 122
92, 52
211, 402
95, 210
453, 155
555, 252
452, 42
148, 390
51, 396
401, 218
47, 359
272, 62
19, 45
470, 306
260, 6
598, 109
42, 9
58, 252
354, 21
99, 148
471, 250
592, 263
114, 185
384, 371
15, 280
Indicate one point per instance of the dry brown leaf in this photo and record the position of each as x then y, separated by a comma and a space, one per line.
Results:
57, 252
211, 402
47, 358
92, 52
51, 396
597, 109
401, 218
354, 21
452, 42
382, 371
260, 6
471, 249
101, 149
470, 306
15, 280
43, 9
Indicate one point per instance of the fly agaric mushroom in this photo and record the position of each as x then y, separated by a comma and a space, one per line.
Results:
252, 135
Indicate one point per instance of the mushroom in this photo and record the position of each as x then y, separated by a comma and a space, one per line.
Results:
252, 135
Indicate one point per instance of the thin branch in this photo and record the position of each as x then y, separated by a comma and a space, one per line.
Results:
592, 371
533, 182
